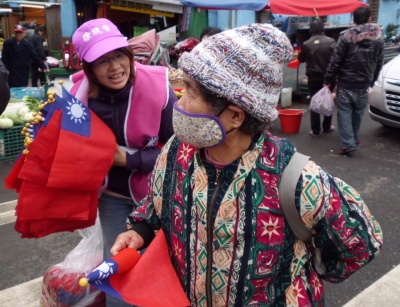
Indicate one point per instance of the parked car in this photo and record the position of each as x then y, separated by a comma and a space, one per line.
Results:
384, 101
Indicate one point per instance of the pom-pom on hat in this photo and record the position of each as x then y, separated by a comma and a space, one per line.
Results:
97, 37
244, 65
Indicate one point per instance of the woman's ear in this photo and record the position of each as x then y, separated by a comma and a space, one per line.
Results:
236, 116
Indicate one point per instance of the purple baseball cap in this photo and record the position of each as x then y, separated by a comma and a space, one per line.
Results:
97, 37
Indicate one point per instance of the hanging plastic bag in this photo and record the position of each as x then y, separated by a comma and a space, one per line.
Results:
322, 102
61, 282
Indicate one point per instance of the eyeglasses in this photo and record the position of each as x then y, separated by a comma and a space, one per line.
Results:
105, 62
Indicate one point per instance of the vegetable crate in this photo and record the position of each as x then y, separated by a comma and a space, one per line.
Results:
11, 142
20, 92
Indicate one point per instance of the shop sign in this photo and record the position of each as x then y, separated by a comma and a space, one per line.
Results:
138, 8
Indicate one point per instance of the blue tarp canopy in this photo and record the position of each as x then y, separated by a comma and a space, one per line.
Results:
252, 5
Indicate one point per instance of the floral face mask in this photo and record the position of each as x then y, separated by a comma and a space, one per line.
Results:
199, 130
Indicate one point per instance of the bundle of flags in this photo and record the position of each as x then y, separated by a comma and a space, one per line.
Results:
148, 280
68, 154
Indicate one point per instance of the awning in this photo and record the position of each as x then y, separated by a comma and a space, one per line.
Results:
308, 7
287, 7
252, 5
173, 6
36, 4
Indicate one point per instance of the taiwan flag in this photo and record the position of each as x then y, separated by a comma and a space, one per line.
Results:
148, 280
58, 180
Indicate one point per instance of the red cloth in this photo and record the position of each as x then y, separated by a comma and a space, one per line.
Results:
293, 64
151, 282
306, 7
58, 180
81, 162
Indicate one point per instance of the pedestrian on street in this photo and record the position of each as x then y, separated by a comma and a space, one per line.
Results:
17, 56
37, 41
209, 31
214, 190
316, 52
356, 62
136, 102
29, 29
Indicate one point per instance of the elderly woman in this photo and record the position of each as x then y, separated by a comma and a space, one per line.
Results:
214, 190
136, 103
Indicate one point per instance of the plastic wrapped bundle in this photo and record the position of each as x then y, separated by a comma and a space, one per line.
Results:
61, 282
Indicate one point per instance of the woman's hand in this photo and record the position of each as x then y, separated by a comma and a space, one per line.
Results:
119, 157
126, 239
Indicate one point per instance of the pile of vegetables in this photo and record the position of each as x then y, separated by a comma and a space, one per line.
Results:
22, 115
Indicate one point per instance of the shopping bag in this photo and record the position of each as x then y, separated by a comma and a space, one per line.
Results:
322, 102
61, 281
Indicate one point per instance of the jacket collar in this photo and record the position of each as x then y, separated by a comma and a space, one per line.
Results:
107, 96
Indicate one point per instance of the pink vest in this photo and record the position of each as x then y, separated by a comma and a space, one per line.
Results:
148, 97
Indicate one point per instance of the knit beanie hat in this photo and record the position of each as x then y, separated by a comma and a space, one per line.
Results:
244, 65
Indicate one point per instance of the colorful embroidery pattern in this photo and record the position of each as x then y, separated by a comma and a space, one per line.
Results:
256, 258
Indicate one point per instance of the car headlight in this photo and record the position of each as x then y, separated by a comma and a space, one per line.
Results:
379, 82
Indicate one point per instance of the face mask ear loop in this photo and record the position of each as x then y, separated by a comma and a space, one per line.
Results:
222, 111
232, 130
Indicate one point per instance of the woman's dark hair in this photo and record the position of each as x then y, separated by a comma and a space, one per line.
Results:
250, 126
39, 28
94, 84
317, 27
210, 31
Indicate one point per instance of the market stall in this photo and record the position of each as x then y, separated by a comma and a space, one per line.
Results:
299, 14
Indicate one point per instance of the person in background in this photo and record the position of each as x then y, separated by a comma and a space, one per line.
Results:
136, 102
4, 88
17, 56
210, 31
316, 53
37, 41
214, 190
356, 63
29, 29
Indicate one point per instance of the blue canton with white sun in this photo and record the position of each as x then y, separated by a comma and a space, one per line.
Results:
75, 116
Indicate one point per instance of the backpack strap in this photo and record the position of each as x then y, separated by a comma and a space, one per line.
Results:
287, 189
287, 196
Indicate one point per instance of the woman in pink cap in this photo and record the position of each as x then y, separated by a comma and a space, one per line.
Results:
136, 103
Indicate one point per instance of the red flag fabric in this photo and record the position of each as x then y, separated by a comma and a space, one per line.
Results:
293, 64
80, 162
12, 181
152, 282
58, 180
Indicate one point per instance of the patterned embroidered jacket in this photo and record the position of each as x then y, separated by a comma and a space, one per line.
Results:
230, 243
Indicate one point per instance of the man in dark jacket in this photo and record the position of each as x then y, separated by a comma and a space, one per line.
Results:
17, 55
37, 41
356, 61
316, 52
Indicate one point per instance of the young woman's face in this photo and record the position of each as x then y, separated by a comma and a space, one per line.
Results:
112, 70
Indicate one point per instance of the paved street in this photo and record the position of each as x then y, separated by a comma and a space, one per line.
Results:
373, 170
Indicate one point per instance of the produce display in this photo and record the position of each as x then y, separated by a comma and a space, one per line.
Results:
175, 75
19, 112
